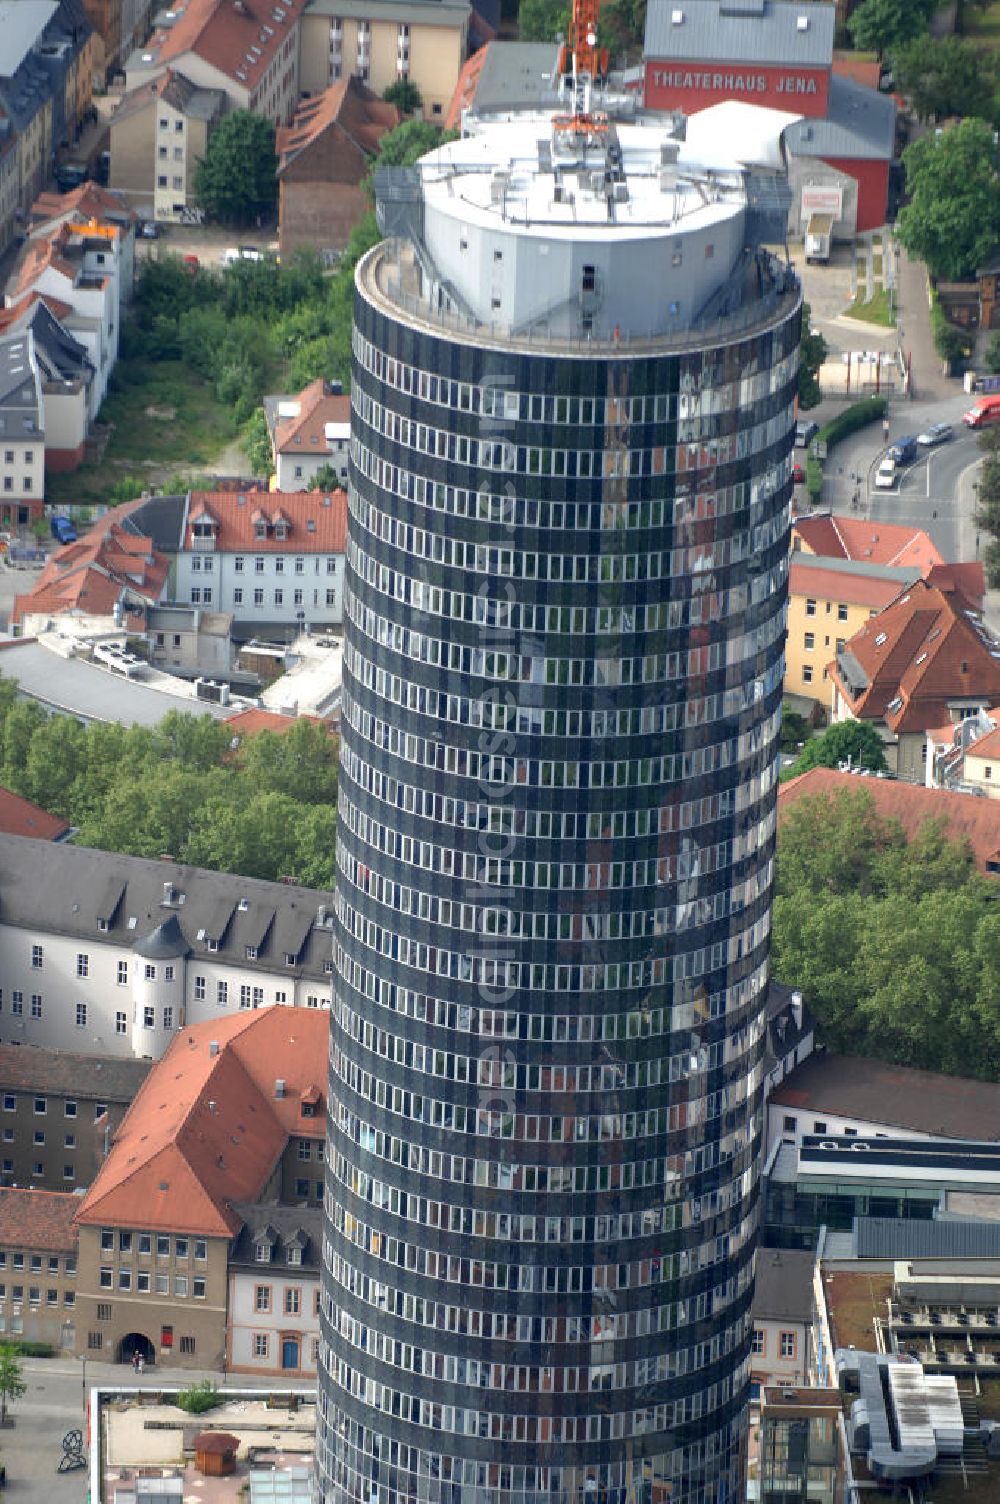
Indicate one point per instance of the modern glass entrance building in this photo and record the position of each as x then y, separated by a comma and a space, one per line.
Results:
573, 380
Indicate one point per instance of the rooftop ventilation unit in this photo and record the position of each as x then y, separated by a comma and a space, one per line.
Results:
677, 18
802, 23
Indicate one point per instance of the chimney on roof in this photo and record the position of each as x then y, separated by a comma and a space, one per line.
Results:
797, 1008
279, 1087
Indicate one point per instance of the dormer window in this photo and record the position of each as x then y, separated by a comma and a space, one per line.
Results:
260, 529
262, 1253
280, 531
212, 945
289, 958
293, 1255
308, 1110
103, 926
251, 952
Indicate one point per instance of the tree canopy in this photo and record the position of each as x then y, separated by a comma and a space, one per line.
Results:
953, 218
856, 740
944, 76
236, 181
812, 353
264, 809
882, 26
404, 94
895, 943
543, 20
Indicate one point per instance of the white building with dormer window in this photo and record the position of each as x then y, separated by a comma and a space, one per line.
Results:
109, 954
274, 559
274, 1265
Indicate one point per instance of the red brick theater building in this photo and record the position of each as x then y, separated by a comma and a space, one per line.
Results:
780, 54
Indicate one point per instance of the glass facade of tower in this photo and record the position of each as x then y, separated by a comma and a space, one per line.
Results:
564, 614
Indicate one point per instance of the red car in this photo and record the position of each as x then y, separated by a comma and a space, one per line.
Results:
192, 263
798, 475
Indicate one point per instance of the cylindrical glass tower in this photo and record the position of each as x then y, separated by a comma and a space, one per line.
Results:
564, 615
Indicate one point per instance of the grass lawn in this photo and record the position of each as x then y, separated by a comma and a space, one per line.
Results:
164, 419
875, 311
164, 415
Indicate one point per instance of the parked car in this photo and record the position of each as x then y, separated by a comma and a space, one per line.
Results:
798, 475
885, 477
805, 431
904, 450
938, 433
62, 529
149, 229
192, 263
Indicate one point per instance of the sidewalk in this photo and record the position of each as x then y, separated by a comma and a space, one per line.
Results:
914, 327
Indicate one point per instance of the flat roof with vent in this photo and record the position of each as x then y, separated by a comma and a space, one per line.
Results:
744, 31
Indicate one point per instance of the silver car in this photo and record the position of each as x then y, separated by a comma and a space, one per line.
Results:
938, 433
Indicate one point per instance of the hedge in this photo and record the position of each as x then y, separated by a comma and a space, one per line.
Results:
858, 415
33, 1349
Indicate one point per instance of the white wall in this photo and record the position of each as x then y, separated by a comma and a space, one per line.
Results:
835, 1125
317, 587
245, 1320
295, 471
115, 1022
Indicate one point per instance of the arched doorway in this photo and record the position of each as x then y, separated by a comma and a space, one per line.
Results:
136, 1342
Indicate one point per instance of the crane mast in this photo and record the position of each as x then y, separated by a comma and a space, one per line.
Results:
582, 64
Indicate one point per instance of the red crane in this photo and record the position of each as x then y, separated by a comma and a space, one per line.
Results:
582, 62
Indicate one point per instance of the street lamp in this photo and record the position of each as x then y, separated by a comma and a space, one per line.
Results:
83, 1389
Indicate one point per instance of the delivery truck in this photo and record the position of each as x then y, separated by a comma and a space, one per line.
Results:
819, 235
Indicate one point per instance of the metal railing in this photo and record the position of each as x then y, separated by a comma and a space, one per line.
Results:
387, 276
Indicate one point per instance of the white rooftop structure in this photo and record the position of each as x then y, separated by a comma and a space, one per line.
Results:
616, 229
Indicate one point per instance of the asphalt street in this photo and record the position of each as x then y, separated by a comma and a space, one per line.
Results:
935, 492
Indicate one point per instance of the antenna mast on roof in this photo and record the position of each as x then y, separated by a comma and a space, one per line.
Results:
582, 64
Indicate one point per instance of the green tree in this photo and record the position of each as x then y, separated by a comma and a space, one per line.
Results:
836, 844
405, 95
257, 443
991, 359
794, 729
12, 1385
325, 479
235, 180
543, 20
882, 26
301, 762
953, 218
854, 740
407, 143
812, 353
54, 760
944, 76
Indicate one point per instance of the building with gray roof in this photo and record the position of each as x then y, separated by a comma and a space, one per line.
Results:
22, 431
840, 136
117, 952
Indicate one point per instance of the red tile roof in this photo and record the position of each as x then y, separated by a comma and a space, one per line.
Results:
985, 746
19, 817
838, 537
56, 306
305, 433
88, 201
238, 37
207, 1128
967, 816
351, 105
968, 579
840, 585
38, 1220
927, 649
314, 526
252, 722
88, 577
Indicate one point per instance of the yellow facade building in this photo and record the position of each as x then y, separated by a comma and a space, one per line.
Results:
828, 601
383, 41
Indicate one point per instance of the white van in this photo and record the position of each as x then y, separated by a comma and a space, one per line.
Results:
885, 477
